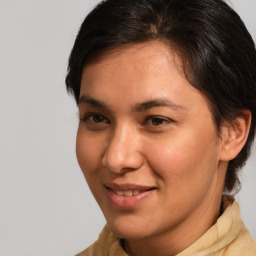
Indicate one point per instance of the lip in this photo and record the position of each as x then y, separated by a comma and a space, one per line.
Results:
127, 202
127, 186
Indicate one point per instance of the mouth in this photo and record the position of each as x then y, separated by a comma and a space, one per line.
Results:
128, 189
126, 192
127, 196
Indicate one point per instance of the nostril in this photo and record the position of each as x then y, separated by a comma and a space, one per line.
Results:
122, 163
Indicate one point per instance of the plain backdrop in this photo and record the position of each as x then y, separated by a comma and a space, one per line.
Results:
46, 208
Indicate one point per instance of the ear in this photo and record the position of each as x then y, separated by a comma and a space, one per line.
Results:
234, 135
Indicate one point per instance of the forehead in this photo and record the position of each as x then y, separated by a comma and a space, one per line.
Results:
144, 60
129, 75
154, 48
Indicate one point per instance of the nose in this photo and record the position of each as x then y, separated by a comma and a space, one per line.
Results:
123, 151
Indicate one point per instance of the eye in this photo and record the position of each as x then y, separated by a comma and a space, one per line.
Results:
157, 121
95, 120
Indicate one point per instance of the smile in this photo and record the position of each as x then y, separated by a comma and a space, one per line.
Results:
127, 196
127, 192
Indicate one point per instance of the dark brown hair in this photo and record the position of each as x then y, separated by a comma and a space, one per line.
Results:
217, 52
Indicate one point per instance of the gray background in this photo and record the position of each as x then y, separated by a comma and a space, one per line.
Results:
46, 208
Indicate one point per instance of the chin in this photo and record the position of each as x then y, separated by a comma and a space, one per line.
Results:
128, 233
129, 229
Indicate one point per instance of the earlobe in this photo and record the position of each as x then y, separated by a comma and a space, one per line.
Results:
235, 135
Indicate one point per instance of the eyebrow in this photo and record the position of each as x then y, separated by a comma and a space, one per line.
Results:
157, 103
139, 107
93, 102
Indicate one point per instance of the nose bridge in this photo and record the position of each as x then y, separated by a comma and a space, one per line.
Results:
122, 152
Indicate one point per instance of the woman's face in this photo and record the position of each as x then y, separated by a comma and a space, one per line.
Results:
147, 144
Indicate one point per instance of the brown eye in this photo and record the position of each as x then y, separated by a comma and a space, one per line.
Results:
96, 118
95, 121
157, 121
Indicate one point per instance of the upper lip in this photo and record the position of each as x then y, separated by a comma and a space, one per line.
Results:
127, 186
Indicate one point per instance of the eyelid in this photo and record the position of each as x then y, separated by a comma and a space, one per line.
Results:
86, 117
164, 119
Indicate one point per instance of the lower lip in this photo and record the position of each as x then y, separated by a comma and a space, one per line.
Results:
128, 202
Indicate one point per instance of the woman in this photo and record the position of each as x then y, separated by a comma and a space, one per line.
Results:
166, 93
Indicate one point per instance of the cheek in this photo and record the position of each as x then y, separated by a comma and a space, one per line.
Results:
185, 161
87, 152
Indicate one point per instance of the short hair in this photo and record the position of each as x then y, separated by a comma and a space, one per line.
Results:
217, 52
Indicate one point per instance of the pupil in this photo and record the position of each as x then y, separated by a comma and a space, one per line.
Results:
97, 118
157, 121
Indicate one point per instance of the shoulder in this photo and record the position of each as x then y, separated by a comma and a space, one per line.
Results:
227, 237
243, 244
86, 252
108, 244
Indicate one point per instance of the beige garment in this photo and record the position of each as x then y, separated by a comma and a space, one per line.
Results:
228, 237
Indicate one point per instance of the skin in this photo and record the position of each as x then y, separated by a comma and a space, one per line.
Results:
170, 145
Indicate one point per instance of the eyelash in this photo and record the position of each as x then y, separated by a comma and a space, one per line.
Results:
87, 117
149, 121
163, 120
